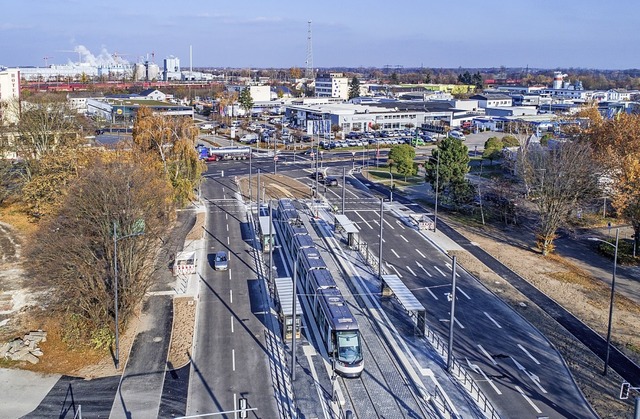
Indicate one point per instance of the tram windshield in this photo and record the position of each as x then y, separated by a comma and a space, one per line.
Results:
349, 346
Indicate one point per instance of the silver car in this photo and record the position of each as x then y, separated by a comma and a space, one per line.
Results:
221, 261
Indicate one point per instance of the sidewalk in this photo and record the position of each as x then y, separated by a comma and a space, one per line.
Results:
140, 392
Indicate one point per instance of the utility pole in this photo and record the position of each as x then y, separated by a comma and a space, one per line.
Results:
435, 216
453, 313
344, 186
258, 194
270, 244
380, 249
295, 322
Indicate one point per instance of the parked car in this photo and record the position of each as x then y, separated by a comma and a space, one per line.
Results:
221, 261
458, 135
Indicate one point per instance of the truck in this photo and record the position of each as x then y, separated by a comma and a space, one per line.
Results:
249, 138
226, 153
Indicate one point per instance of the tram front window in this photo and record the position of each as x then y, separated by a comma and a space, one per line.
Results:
349, 347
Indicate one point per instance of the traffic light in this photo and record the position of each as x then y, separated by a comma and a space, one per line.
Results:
624, 391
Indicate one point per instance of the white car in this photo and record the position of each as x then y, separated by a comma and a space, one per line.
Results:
458, 135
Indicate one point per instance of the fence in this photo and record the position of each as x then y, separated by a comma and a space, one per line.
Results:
463, 377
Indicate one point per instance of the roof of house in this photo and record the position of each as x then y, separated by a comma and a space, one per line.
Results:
147, 92
491, 96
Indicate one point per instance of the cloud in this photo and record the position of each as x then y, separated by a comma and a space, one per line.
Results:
14, 26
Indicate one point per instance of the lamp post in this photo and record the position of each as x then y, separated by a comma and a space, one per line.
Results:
353, 160
613, 288
435, 216
115, 280
380, 249
391, 188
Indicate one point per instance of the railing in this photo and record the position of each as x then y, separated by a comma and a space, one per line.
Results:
463, 377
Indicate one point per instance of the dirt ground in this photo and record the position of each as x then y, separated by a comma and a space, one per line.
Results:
565, 282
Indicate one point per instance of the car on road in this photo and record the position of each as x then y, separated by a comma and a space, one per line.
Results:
331, 181
221, 261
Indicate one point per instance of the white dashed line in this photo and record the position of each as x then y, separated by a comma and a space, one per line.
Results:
528, 399
491, 318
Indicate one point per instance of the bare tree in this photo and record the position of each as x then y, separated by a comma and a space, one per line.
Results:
72, 253
559, 178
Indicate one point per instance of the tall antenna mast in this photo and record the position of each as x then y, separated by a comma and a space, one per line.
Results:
309, 71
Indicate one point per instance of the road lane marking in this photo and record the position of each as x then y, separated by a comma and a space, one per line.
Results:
394, 252
458, 323
484, 351
411, 270
227, 228
420, 253
394, 268
528, 399
478, 370
384, 241
491, 318
425, 271
529, 354
231, 296
463, 293
532, 376
362, 218
404, 238
438, 269
389, 224
451, 269
431, 292
231, 324
400, 224
233, 358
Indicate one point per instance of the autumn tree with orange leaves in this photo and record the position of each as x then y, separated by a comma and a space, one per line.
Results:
617, 145
172, 141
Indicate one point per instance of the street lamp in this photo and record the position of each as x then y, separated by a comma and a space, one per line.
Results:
353, 160
391, 188
613, 288
140, 228
435, 214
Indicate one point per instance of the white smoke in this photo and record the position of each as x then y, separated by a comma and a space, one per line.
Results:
105, 58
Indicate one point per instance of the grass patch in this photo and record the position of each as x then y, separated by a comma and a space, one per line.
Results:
383, 176
16, 215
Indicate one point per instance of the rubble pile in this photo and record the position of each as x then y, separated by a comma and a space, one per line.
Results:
25, 349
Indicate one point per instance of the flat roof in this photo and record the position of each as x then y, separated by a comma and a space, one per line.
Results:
402, 293
265, 228
284, 289
346, 223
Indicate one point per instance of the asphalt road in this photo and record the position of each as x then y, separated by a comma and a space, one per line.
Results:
513, 363
516, 366
230, 358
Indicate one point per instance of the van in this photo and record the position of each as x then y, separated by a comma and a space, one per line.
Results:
249, 138
457, 135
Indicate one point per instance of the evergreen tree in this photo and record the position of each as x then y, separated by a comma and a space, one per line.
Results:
402, 157
245, 99
449, 163
354, 88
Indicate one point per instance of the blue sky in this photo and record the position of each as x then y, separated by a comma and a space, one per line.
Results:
374, 33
